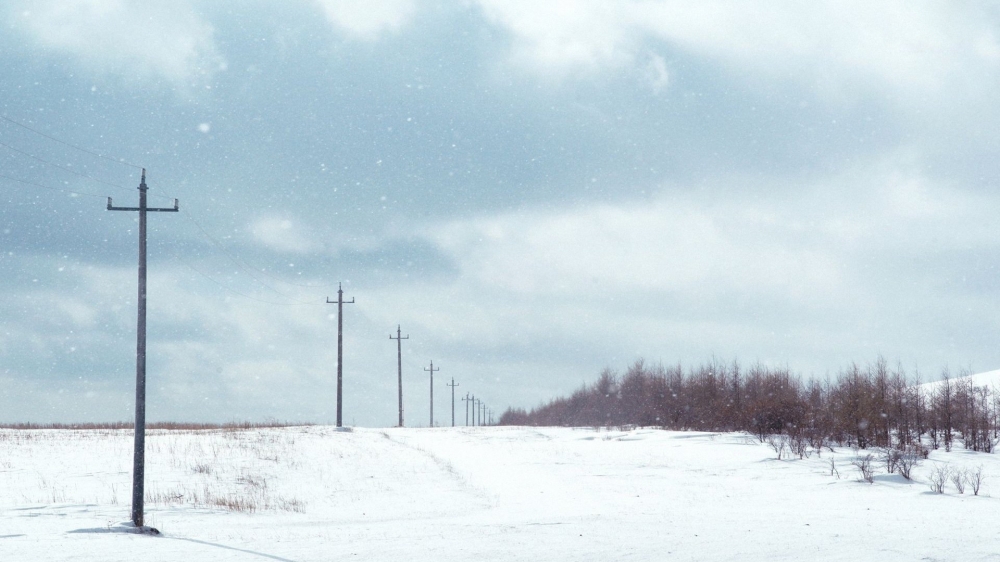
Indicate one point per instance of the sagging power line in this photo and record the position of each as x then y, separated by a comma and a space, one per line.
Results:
69, 144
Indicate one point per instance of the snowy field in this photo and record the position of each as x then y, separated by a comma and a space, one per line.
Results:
475, 494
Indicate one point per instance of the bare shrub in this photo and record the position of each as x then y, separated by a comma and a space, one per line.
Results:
908, 459
866, 466
975, 478
799, 445
891, 458
833, 468
201, 469
958, 480
939, 477
779, 443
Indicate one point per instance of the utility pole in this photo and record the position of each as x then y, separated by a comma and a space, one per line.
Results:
452, 385
431, 371
466, 400
399, 362
139, 454
479, 405
340, 349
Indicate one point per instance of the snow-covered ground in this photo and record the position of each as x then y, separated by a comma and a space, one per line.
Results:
475, 494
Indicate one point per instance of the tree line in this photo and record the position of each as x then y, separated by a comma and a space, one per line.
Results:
873, 405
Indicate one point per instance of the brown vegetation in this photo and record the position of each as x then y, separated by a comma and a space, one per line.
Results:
862, 407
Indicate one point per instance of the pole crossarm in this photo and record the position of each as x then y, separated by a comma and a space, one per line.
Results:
139, 451
340, 302
173, 209
399, 363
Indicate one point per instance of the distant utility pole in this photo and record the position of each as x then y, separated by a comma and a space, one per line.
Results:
139, 454
431, 371
340, 349
452, 385
466, 400
479, 420
399, 362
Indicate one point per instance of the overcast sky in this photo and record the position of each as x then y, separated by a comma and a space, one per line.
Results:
533, 190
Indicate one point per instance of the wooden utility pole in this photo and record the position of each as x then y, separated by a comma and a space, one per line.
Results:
466, 400
452, 385
478, 418
139, 453
431, 371
340, 302
399, 363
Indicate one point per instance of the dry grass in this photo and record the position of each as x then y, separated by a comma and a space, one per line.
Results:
168, 425
236, 467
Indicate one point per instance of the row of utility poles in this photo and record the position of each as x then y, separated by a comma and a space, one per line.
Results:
480, 413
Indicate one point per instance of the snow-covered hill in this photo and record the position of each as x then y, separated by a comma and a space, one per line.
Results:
989, 379
476, 494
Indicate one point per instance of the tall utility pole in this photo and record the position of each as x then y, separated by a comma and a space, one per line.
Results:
431, 371
466, 400
340, 349
452, 385
399, 362
139, 454
479, 420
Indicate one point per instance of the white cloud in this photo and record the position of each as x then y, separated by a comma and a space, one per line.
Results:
284, 235
915, 49
368, 20
162, 39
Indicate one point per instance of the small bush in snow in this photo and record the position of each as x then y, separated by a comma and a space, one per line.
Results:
891, 458
907, 460
799, 445
939, 477
975, 479
779, 443
958, 480
866, 466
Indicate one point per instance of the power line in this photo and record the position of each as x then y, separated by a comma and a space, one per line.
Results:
25, 182
64, 168
243, 264
71, 145
234, 291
